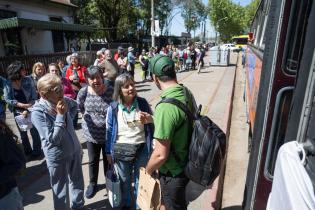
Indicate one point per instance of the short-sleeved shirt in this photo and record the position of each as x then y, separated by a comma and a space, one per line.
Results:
171, 124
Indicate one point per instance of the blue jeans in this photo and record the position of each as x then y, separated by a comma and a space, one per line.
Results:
67, 173
12, 201
128, 170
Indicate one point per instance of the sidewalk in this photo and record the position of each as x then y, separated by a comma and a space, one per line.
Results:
213, 88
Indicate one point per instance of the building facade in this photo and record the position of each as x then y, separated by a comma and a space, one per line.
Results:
37, 27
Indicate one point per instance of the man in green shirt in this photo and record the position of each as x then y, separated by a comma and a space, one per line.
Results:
172, 134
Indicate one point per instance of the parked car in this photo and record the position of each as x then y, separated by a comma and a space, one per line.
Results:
231, 47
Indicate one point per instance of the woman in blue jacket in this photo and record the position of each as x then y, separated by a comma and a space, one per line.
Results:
20, 94
129, 132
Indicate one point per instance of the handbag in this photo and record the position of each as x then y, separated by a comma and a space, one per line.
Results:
149, 192
113, 186
126, 152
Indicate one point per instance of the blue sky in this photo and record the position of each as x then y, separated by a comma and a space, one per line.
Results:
177, 24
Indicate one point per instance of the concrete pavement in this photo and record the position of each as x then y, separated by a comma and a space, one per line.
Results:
213, 88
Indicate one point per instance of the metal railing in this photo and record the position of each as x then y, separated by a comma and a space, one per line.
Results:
86, 58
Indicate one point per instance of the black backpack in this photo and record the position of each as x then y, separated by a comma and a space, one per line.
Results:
207, 146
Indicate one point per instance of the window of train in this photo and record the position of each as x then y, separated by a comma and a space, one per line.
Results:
280, 124
296, 34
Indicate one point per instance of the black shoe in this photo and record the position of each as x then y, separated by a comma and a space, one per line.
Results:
91, 191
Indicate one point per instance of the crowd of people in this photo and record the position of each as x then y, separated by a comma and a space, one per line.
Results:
115, 121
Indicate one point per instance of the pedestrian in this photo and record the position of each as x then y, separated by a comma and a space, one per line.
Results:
68, 91
75, 74
131, 61
38, 71
110, 69
61, 65
172, 132
3, 84
144, 62
93, 101
20, 95
122, 63
52, 115
99, 58
12, 160
119, 51
128, 136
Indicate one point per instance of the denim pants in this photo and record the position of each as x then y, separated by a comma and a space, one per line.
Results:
173, 191
67, 173
26, 142
128, 170
94, 152
12, 201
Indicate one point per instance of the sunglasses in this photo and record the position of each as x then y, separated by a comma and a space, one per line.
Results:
58, 89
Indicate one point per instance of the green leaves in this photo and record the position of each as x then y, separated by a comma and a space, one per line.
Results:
231, 19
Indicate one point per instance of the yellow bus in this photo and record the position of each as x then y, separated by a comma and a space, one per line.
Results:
240, 41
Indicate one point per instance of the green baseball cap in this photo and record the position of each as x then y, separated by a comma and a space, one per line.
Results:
157, 64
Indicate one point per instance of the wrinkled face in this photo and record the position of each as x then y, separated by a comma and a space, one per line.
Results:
74, 61
54, 70
39, 71
96, 82
108, 55
55, 94
128, 90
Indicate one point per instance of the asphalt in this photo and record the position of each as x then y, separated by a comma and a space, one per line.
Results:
213, 88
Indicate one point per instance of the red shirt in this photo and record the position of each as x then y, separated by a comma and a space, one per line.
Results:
116, 56
80, 70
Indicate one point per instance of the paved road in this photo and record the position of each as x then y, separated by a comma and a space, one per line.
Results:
213, 88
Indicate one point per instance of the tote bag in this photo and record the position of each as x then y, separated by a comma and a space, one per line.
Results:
149, 192
113, 187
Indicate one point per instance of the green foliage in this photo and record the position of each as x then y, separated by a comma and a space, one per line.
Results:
193, 13
230, 19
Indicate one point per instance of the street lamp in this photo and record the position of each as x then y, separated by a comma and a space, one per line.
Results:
216, 31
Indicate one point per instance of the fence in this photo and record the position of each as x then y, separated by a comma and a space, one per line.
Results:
86, 58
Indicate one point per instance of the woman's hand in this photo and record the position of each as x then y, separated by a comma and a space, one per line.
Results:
25, 113
61, 107
145, 118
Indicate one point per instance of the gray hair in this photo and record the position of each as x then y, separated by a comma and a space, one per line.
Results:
120, 81
93, 71
48, 82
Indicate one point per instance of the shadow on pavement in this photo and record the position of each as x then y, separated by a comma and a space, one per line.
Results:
205, 71
31, 193
101, 205
232, 208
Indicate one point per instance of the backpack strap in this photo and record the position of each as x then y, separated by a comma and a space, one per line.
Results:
179, 104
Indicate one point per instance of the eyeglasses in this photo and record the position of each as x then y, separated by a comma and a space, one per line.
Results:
58, 89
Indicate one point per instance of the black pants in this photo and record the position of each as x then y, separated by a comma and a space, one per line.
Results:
173, 191
94, 151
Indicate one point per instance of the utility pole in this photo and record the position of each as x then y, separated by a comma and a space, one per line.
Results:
152, 24
204, 31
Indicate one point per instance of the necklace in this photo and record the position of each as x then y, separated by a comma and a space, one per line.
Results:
131, 122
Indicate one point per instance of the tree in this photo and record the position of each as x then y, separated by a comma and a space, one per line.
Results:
193, 12
231, 19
